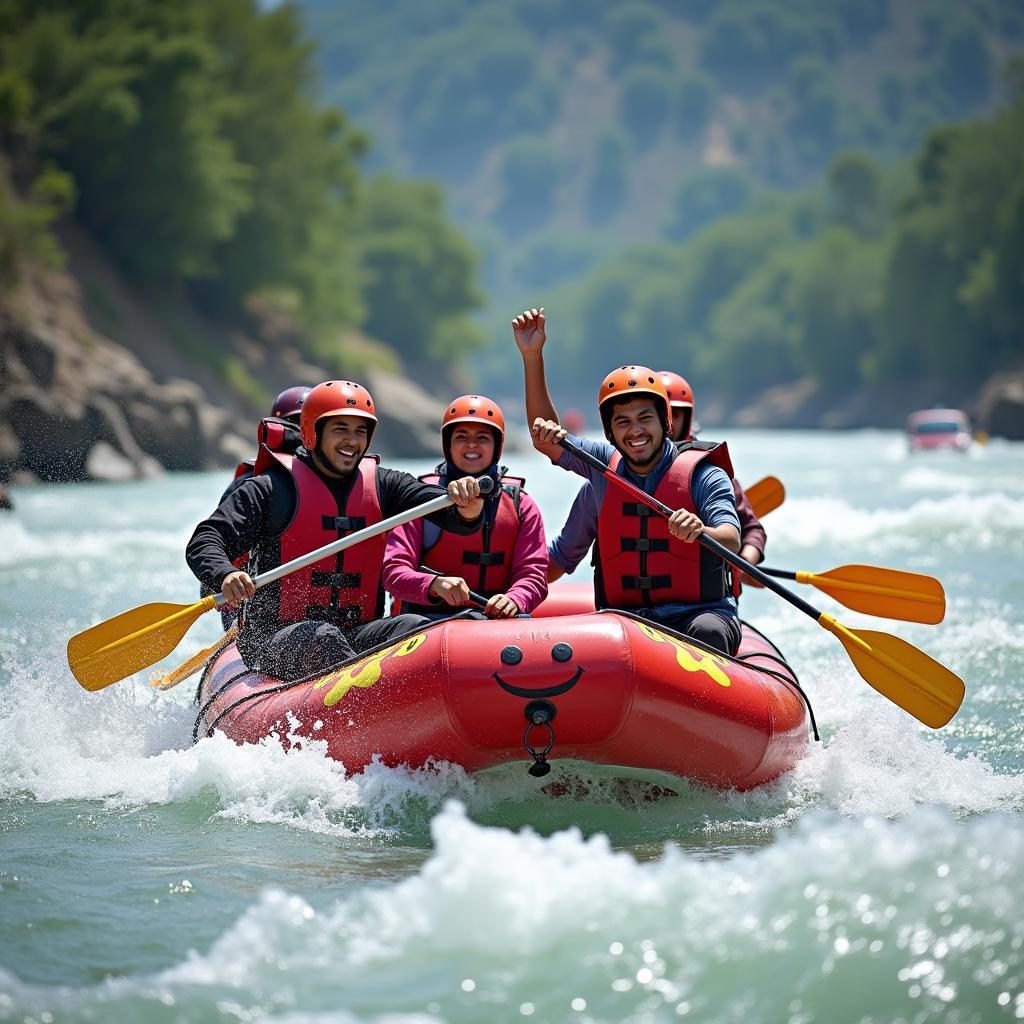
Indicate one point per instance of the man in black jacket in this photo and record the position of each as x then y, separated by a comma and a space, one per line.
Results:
326, 613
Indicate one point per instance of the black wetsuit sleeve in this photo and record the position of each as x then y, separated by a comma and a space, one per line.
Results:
261, 507
400, 492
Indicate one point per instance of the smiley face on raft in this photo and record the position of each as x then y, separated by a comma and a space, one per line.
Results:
560, 653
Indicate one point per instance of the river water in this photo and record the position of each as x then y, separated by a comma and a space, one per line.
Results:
146, 879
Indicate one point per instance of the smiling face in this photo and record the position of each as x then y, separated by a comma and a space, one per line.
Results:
637, 432
561, 653
682, 417
472, 448
343, 441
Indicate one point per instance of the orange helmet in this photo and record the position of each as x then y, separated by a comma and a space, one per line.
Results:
680, 400
680, 394
472, 409
334, 398
633, 381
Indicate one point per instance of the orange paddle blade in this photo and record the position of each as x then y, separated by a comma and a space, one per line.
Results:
887, 593
114, 649
766, 495
899, 671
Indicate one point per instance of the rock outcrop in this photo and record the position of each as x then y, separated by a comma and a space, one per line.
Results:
999, 409
805, 405
77, 405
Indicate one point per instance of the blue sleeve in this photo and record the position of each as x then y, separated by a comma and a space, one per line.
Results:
570, 547
601, 449
713, 497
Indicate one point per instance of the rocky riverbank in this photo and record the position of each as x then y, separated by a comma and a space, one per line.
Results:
76, 404
99, 382
996, 408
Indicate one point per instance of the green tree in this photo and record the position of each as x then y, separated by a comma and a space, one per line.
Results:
749, 343
836, 296
418, 272
125, 99
645, 102
302, 159
530, 172
25, 223
629, 29
471, 85
609, 181
706, 195
855, 193
695, 97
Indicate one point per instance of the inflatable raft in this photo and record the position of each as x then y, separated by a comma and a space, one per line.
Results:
606, 688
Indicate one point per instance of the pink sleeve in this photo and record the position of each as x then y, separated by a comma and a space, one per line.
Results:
401, 576
529, 569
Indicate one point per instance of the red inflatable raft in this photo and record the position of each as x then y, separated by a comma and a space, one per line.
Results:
605, 688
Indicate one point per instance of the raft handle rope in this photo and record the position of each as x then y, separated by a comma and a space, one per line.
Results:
794, 682
539, 713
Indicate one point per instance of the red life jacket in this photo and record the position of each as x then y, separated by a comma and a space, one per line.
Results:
274, 436
483, 559
343, 589
637, 561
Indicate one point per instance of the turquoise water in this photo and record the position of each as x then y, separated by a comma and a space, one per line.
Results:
145, 879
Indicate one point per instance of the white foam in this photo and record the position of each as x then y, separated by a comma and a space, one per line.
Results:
971, 521
917, 917
927, 478
21, 547
491, 907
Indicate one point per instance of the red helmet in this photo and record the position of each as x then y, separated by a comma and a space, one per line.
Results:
289, 402
334, 398
472, 409
633, 381
680, 394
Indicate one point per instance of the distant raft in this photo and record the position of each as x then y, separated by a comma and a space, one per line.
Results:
604, 688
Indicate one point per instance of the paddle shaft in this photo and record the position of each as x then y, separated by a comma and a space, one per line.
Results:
709, 542
438, 503
898, 670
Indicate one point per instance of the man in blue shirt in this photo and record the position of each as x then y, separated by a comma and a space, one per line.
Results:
642, 562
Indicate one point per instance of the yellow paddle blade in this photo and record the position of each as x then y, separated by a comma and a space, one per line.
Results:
899, 671
111, 650
766, 495
887, 593
194, 664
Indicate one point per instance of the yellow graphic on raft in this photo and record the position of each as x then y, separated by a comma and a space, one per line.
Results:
364, 673
693, 659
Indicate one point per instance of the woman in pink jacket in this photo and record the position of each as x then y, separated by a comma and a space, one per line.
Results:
505, 561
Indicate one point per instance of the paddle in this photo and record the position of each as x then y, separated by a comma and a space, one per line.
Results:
887, 593
895, 668
114, 649
766, 495
193, 665
474, 597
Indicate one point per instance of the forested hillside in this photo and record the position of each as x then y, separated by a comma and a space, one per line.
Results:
773, 160
875, 277
191, 140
